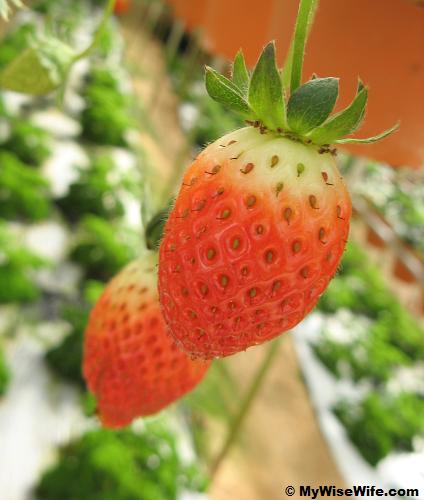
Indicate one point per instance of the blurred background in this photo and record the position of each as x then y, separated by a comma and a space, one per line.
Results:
80, 178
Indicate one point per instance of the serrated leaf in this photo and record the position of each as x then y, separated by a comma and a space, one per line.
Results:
39, 69
266, 92
224, 91
368, 140
240, 73
310, 105
343, 123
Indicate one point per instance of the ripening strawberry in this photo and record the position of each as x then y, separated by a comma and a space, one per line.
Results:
130, 363
262, 217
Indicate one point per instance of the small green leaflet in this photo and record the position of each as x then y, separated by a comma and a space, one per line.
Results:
265, 90
240, 73
226, 92
368, 140
5, 8
343, 123
311, 104
39, 69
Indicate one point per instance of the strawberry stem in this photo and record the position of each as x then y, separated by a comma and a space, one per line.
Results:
303, 24
246, 404
99, 31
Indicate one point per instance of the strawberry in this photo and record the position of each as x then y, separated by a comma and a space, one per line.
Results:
262, 216
130, 363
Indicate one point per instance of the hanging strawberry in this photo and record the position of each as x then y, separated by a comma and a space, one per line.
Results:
130, 363
262, 217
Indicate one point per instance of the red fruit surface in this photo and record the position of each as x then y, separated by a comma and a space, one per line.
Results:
256, 234
130, 363
121, 6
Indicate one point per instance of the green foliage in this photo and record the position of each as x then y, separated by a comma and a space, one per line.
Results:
383, 423
3, 111
4, 374
404, 332
120, 465
23, 192
102, 249
106, 117
370, 357
15, 42
65, 359
95, 192
40, 68
359, 287
28, 142
16, 266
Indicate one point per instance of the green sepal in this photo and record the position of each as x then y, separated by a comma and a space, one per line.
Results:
39, 69
343, 123
310, 104
368, 140
266, 92
240, 73
224, 91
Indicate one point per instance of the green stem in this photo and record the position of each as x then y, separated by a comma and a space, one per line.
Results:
303, 23
99, 31
246, 404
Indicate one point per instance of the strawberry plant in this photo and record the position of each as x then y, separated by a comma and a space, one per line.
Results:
17, 269
130, 364
123, 465
28, 142
23, 191
383, 423
15, 42
106, 117
101, 248
95, 192
262, 216
65, 359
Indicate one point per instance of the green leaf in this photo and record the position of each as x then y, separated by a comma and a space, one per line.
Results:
226, 93
369, 140
310, 104
240, 73
39, 69
343, 123
266, 92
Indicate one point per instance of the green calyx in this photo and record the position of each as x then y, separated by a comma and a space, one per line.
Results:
302, 112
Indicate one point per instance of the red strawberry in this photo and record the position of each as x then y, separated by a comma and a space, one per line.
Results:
130, 363
257, 232
262, 216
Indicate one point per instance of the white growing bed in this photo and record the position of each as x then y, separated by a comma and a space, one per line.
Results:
401, 470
